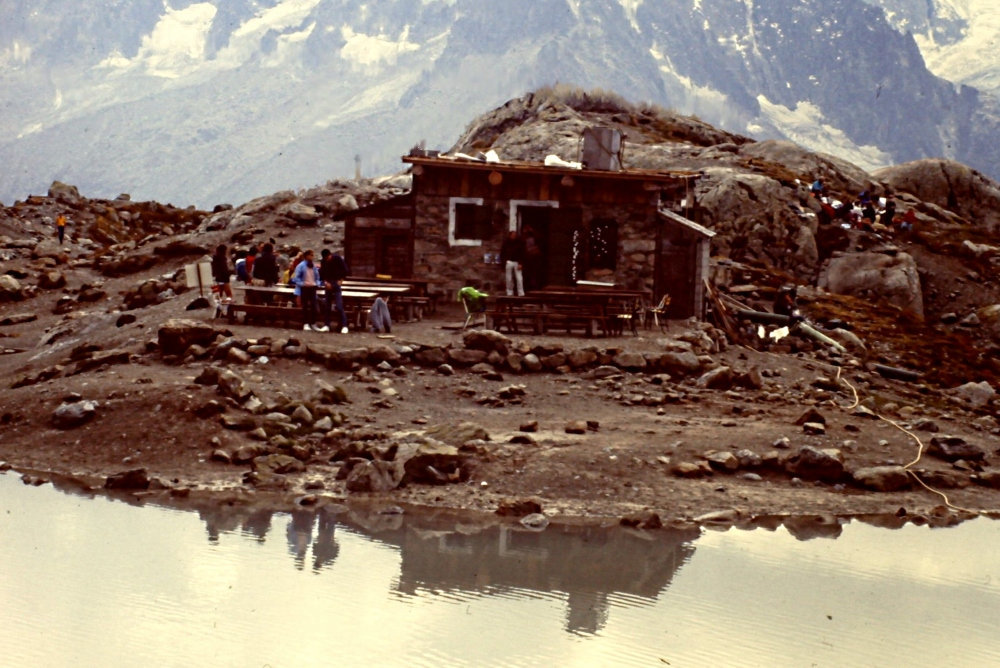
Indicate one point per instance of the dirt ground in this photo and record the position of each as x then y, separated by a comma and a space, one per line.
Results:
623, 467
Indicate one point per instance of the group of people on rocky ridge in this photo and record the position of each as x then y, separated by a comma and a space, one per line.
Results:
868, 213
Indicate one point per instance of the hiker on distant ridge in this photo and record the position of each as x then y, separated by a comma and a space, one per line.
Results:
889, 212
61, 227
816, 189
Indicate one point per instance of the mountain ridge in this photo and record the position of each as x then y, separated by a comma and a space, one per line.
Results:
205, 103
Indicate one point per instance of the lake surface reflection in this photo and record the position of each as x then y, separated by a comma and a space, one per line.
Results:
95, 581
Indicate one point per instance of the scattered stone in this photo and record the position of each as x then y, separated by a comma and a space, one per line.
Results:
278, 464
576, 427
198, 304
330, 394
719, 517
17, 318
530, 427
230, 384
446, 370
647, 520
814, 428
220, 455
486, 340
719, 378
988, 478
535, 522
882, 478
511, 392
125, 319
955, 448
782, 443
518, 507
928, 425
974, 395
748, 459
811, 415
74, 414
811, 463
722, 461
238, 356
691, 469
134, 479
177, 334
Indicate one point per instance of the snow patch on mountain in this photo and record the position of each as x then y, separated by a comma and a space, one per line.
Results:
174, 48
372, 50
806, 125
631, 8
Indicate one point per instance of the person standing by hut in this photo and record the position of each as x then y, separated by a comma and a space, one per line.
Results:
307, 281
512, 260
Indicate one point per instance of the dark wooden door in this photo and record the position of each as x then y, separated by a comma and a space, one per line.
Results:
675, 275
563, 247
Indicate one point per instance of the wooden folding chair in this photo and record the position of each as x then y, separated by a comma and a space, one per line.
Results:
472, 311
659, 312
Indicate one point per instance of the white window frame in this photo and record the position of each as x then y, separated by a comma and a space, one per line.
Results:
515, 204
452, 241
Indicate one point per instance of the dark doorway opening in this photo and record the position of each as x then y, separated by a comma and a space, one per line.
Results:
559, 236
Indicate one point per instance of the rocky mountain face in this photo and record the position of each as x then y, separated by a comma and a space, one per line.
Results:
211, 102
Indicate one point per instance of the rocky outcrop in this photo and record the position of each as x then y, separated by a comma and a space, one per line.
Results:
950, 186
879, 276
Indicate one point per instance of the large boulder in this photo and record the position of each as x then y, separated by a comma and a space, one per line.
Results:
177, 334
893, 278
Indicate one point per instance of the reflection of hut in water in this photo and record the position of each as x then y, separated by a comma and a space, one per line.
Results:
587, 564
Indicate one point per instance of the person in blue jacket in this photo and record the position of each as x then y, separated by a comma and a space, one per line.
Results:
306, 280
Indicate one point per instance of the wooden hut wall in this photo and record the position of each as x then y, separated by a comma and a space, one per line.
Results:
379, 239
628, 206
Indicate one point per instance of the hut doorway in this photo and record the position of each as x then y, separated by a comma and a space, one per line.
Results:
560, 238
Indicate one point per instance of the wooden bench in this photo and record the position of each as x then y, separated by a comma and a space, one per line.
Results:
288, 315
269, 314
512, 318
586, 317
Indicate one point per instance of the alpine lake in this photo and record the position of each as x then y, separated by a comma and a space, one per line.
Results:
96, 580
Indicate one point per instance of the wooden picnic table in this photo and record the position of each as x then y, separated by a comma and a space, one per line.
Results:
414, 292
276, 304
606, 310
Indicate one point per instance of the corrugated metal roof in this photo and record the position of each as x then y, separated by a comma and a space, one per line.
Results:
521, 167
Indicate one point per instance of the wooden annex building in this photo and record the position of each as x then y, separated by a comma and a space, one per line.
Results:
595, 224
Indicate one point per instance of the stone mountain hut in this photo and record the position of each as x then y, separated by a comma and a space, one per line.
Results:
609, 225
